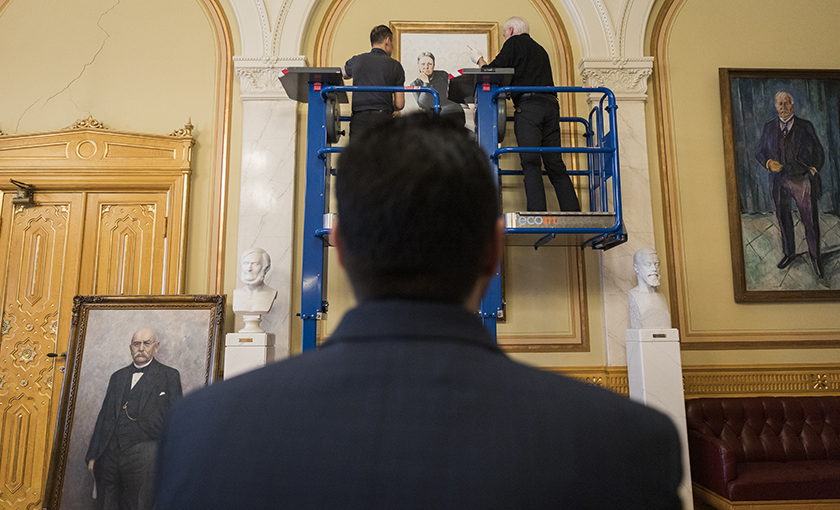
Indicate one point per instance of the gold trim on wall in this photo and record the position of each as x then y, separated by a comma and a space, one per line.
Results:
610, 378
727, 380
578, 313
220, 166
675, 257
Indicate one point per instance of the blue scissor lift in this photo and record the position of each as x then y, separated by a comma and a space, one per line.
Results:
600, 227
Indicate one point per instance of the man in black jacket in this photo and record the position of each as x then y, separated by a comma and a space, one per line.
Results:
375, 68
410, 404
536, 121
122, 450
790, 150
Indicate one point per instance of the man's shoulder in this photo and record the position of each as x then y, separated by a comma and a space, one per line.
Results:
166, 368
803, 123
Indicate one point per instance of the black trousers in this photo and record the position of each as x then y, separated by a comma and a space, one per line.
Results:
784, 191
536, 123
126, 478
362, 120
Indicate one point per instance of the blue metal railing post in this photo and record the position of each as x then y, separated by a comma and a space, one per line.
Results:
313, 290
487, 125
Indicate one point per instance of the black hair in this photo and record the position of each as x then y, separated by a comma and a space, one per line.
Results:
379, 34
417, 210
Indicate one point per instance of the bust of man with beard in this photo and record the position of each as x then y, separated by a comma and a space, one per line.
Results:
648, 307
255, 297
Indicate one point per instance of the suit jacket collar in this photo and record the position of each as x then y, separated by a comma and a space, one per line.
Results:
412, 320
147, 389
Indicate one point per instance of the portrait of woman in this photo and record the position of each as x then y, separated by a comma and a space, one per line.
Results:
438, 80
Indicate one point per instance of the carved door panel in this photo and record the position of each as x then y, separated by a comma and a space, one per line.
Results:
67, 244
124, 244
40, 249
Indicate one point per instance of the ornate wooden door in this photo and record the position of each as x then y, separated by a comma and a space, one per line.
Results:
40, 253
109, 218
124, 237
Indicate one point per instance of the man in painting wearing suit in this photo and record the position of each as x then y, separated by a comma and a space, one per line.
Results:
410, 404
122, 450
790, 150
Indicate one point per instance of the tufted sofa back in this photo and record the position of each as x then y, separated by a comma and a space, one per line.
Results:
774, 429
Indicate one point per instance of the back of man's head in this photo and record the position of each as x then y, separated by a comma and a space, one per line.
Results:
417, 210
379, 34
519, 25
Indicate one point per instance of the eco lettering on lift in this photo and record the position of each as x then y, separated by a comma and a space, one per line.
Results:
537, 221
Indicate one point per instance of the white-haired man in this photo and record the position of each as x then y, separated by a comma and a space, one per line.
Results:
790, 150
536, 121
122, 450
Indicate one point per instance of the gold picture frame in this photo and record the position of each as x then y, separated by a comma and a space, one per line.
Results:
447, 39
190, 331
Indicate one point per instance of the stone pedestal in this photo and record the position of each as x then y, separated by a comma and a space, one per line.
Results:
247, 351
654, 370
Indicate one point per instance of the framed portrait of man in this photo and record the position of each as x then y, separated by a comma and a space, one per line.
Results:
129, 360
781, 141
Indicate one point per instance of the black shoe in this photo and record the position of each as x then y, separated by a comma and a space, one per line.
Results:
786, 261
818, 268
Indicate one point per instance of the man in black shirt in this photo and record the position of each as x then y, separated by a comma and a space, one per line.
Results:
536, 121
375, 68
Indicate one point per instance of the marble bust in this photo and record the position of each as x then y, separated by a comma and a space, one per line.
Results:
255, 298
648, 307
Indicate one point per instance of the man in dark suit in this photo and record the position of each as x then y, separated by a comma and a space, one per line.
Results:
790, 150
410, 404
123, 447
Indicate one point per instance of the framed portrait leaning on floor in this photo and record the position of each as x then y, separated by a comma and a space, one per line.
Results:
130, 359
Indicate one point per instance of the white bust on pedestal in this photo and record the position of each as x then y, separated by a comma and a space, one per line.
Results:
648, 307
255, 298
654, 366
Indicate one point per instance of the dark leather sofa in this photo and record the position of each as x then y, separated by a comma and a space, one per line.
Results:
763, 452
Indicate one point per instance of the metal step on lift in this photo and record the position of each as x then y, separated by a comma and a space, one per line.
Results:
600, 227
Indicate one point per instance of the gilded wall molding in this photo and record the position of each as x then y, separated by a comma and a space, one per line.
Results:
258, 77
185, 131
610, 378
727, 380
88, 123
627, 77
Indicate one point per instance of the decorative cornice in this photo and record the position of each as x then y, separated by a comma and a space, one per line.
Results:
88, 123
727, 380
258, 76
627, 78
184, 131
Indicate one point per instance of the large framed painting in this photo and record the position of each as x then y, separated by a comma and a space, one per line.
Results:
130, 358
430, 49
781, 130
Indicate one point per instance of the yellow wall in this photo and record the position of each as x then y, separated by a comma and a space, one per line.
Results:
707, 35
135, 65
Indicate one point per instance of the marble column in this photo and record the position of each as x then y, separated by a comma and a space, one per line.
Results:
627, 78
266, 206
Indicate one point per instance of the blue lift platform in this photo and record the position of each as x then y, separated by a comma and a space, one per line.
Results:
600, 226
